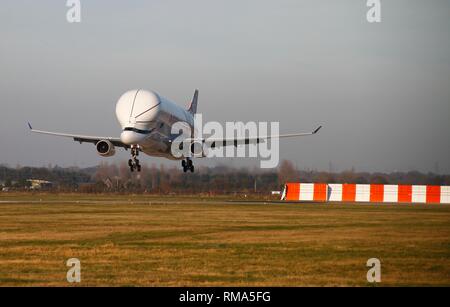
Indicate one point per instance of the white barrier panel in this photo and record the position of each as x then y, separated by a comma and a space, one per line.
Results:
362, 192
307, 191
334, 192
445, 195
390, 193
419, 194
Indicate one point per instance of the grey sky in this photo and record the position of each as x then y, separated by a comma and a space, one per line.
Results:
382, 91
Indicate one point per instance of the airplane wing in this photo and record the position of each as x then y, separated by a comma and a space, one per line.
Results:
219, 142
83, 138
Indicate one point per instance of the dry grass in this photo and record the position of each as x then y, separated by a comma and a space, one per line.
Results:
196, 242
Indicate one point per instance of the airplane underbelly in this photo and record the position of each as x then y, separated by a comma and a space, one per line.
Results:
157, 148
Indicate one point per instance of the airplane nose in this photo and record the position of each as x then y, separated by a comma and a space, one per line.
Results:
131, 137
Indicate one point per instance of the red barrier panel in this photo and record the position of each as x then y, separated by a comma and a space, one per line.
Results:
377, 193
320, 191
404, 193
348, 192
292, 191
433, 194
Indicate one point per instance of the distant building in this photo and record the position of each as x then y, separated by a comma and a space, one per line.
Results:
36, 184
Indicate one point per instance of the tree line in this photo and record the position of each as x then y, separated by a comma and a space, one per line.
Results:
117, 178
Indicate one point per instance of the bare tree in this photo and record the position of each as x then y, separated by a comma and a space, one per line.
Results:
287, 172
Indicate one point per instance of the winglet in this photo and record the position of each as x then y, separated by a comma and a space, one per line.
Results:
317, 130
29, 126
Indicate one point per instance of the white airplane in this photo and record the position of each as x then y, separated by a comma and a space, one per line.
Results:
146, 119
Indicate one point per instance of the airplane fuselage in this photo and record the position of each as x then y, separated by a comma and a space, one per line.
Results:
147, 118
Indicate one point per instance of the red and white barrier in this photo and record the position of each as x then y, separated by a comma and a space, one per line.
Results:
377, 193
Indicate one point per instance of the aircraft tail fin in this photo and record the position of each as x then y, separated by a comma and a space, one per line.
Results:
193, 107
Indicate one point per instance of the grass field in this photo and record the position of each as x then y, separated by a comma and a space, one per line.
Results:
175, 241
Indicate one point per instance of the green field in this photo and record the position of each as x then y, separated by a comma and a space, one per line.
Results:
189, 241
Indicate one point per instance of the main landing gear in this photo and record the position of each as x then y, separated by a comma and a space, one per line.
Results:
133, 163
187, 165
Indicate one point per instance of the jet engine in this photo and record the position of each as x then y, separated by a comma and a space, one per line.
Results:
105, 148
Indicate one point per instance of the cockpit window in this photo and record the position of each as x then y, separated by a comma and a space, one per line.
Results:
137, 130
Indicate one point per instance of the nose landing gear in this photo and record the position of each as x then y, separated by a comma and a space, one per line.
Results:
187, 165
133, 163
